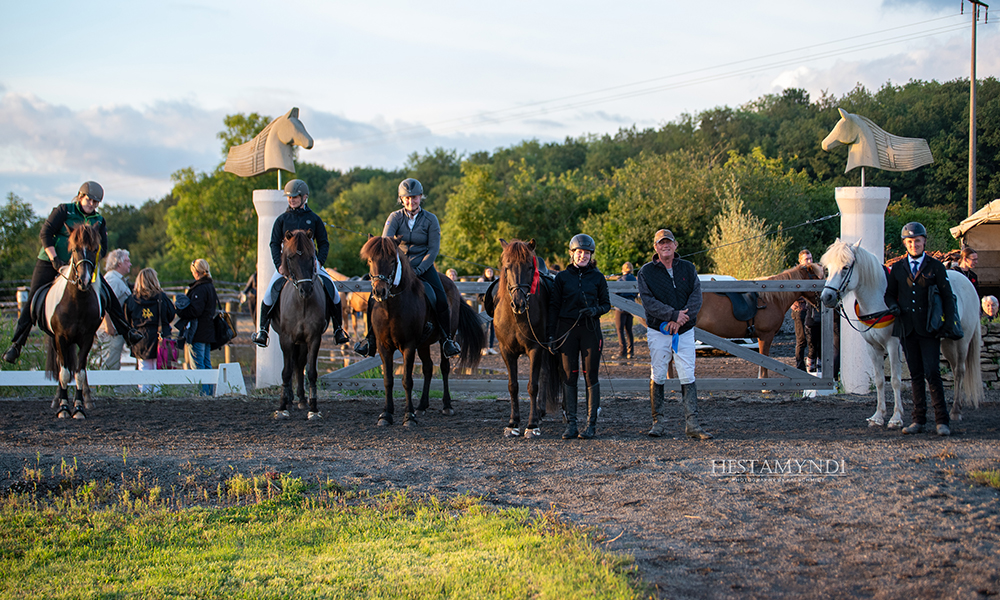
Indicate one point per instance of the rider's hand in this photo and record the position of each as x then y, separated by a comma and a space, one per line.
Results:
589, 311
58, 263
894, 310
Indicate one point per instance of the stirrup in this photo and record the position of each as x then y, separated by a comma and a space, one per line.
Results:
364, 348
340, 336
260, 338
12, 353
451, 348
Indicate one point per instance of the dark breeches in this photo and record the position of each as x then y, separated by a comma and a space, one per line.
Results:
923, 357
584, 344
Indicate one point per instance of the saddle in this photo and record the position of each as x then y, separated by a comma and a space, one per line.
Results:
745, 309
37, 305
279, 284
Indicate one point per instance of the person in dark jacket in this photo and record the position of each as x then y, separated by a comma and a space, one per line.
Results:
906, 295
579, 297
204, 305
55, 254
298, 215
671, 295
150, 311
420, 234
968, 261
624, 319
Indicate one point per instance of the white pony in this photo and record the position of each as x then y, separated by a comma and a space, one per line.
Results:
852, 268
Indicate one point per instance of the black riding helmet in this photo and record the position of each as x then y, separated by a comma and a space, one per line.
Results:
410, 187
582, 241
913, 229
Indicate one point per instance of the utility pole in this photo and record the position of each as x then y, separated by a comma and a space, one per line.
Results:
972, 106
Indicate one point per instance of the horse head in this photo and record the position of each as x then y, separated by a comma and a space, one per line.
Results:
386, 269
291, 131
84, 246
840, 261
298, 258
812, 271
519, 275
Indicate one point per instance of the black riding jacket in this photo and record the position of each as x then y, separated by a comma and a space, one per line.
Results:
299, 218
574, 290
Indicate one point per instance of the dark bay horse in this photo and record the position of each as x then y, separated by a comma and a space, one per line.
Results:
72, 314
716, 315
300, 321
519, 317
399, 316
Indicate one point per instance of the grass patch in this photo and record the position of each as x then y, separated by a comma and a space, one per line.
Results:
295, 540
988, 478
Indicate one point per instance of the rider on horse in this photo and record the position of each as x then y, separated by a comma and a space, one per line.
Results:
55, 254
421, 241
299, 216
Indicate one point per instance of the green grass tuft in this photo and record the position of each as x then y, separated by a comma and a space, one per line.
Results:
988, 478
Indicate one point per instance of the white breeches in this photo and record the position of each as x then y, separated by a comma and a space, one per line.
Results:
268, 300
661, 352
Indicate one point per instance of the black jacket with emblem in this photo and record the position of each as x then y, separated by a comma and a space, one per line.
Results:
909, 294
150, 316
299, 218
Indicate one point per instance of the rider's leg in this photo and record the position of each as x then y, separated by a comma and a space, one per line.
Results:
335, 311
449, 347
44, 273
367, 346
266, 303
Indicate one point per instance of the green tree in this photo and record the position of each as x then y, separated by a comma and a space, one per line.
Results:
19, 243
738, 244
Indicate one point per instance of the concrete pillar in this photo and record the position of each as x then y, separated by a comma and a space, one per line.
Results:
269, 205
862, 217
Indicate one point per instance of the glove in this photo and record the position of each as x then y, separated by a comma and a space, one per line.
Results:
58, 263
894, 310
589, 311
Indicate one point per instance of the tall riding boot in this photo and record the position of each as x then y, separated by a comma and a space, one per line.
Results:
367, 346
335, 312
449, 346
117, 316
656, 403
569, 401
593, 406
689, 396
20, 337
260, 337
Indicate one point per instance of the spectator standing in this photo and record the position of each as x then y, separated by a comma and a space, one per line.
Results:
116, 268
624, 319
201, 311
489, 276
806, 330
150, 311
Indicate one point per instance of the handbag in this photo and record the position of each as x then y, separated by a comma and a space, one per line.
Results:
225, 328
166, 353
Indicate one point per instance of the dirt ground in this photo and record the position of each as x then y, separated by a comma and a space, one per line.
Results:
889, 516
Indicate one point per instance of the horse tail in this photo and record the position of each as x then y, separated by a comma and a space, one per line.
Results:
471, 336
52, 360
972, 383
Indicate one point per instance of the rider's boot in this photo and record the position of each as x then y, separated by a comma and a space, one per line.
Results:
17, 342
569, 402
593, 407
449, 347
367, 346
117, 316
689, 396
336, 313
656, 404
260, 337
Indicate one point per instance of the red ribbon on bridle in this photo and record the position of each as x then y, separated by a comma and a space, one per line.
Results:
535, 278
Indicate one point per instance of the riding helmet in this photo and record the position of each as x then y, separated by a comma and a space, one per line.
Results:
913, 229
296, 187
92, 189
410, 187
582, 241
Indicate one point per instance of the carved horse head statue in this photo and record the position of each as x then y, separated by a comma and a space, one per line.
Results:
271, 149
871, 146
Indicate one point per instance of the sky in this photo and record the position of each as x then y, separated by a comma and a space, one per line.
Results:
128, 93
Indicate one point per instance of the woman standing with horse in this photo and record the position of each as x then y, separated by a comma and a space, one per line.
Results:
420, 240
298, 215
55, 254
579, 298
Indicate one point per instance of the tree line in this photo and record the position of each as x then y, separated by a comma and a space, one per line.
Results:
713, 177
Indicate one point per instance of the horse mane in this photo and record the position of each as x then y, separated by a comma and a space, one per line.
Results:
841, 254
384, 247
517, 252
787, 274
299, 240
84, 236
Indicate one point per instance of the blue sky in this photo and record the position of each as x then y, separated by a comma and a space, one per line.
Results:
126, 93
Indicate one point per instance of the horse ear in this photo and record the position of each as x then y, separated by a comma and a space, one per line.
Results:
396, 239
843, 113
856, 244
288, 235
293, 113
531, 244
309, 232
503, 243
370, 236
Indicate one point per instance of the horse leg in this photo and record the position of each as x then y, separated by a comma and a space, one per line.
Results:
896, 379
311, 373
446, 408
764, 347
514, 424
385, 419
298, 374
427, 366
63, 399
81, 375
78, 412
286, 385
956, 358
877, 359
409, 356
535, 359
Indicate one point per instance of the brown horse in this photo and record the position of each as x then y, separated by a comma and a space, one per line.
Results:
716, 314
300, 321
522, 301
73, 312
399, 317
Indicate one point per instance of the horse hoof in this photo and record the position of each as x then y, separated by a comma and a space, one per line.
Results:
448, 412
420, 413
874, 422
63, 413
410, 420
511, 432
89, 405
302, 406
895, 424
281, 415
314, 416
79, 414
384, 423
532, 433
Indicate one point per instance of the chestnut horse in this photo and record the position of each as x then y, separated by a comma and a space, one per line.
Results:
73, 312
520, 314
399, 317
716, 314
300, 321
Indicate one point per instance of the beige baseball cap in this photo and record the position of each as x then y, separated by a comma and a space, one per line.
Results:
662, 235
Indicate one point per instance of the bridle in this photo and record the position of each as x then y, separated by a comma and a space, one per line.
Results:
845, 280
390, 280
297, 282
525, 290
75, 263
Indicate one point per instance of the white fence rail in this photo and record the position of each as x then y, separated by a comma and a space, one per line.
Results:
228, 378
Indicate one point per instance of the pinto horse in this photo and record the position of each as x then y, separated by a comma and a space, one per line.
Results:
73, 312
300, 321
398, 317
716, 314
520, 315
854, 269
